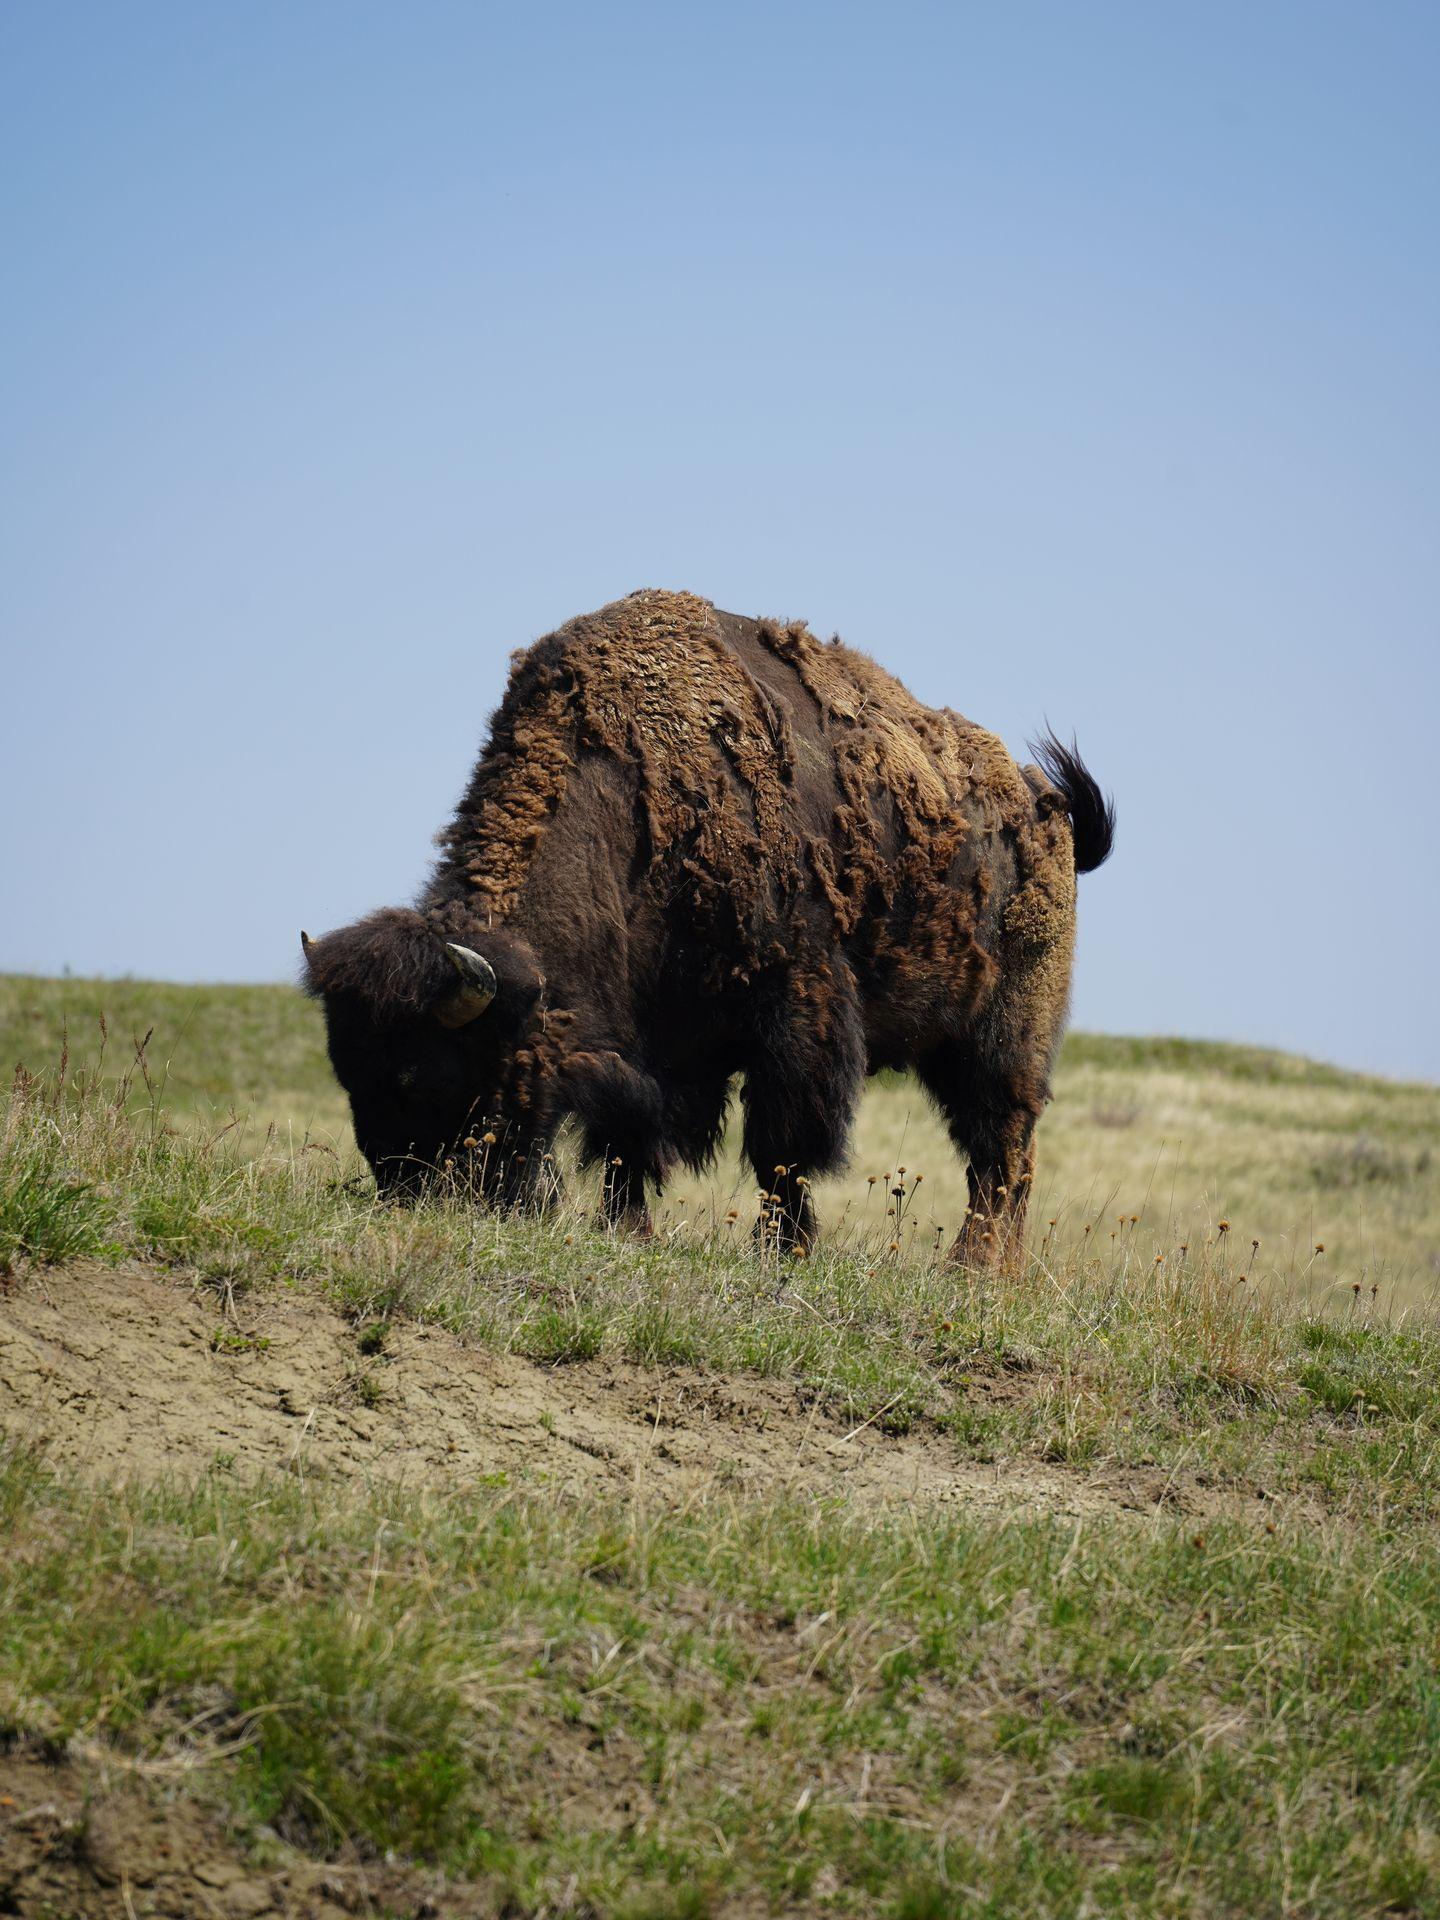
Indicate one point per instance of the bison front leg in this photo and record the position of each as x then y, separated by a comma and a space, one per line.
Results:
799, 1097
621, 1110
624, 1202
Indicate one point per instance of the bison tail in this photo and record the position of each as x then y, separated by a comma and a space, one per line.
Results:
1092, 813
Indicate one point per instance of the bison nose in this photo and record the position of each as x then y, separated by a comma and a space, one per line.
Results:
397, 1176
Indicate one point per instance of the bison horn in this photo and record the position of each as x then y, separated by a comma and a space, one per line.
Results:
305, 943
475, 991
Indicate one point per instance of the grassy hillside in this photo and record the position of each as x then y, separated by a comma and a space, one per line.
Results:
1181, 1133
431, 1562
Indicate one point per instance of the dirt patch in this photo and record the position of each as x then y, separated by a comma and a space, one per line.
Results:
118, 1372
90, 1842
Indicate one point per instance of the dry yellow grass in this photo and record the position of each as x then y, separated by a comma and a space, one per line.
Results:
1182, 1137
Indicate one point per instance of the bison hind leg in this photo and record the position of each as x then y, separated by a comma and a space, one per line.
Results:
990, 1113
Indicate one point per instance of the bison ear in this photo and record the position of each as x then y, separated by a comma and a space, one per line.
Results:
474, 990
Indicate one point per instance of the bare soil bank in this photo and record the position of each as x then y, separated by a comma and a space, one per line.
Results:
90, 1842
130, 1374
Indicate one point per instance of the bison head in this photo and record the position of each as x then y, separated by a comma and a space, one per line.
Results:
423, 1032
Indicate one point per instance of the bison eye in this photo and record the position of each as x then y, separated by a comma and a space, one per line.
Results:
406, 1077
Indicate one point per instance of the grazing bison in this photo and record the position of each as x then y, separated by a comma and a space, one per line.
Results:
699, 846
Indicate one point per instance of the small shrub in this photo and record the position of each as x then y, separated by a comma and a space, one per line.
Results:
358, 1735
48, 1212
1367, 1161
560, 1336
1138, 1791
231, 1340
670, 1903
659, 1336
369, 1390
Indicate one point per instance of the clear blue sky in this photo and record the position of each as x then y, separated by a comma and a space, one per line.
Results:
1079, 361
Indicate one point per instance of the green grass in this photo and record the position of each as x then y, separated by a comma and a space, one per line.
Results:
786, 1706
1220, 1702
256, 1052
48, 1212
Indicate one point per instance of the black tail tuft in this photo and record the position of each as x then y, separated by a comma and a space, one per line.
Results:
1092, 813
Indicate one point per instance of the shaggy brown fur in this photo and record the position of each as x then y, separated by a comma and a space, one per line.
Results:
699, 846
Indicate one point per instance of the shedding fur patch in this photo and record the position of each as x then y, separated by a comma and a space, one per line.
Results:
649, 681
915, 783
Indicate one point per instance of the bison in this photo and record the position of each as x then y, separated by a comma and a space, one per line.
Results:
700, 846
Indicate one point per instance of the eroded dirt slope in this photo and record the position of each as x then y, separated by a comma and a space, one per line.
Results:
117, 1372
87, 1841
